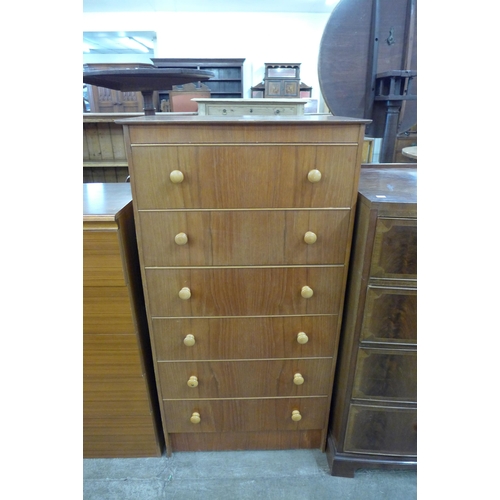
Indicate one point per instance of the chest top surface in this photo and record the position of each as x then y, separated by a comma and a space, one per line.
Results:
389, 185
105, 200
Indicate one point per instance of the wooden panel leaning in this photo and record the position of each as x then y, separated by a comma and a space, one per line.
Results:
120, 404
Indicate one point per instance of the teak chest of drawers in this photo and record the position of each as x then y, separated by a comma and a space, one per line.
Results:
374, 410
244, 228
121, 416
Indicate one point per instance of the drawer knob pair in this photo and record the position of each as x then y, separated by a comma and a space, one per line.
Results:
181, 238
196, 419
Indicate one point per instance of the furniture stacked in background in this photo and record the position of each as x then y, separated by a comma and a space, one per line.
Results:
120, 404
374, 407
281, 80
244, 230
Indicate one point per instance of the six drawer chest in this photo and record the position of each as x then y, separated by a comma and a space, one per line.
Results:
244, 227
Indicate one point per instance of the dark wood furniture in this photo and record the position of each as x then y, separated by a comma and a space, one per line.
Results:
244, 232
106, 100
120, 404
227, 81
281, 80
373, 420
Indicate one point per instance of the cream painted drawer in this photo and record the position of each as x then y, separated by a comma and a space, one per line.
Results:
248, 109
244, 176
245, 378
241, 291
234, 415
248, 237
240, 338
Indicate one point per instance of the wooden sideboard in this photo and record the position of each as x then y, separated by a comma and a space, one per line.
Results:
120, 403
373, 420
244, 229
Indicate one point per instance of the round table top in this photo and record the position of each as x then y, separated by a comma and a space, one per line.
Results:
144, 79
410, 152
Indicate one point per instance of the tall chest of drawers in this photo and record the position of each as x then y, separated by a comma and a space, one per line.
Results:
374, 411
244, 227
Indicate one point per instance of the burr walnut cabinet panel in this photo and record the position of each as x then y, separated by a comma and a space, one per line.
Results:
244, 228
374, 410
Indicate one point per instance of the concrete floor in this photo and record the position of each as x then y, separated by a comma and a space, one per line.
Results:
239, 475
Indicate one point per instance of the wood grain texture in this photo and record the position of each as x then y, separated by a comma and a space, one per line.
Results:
256, 237
244, 338
242, 176
244, 291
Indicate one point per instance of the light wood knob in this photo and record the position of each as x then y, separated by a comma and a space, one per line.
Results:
176, 176
185, 293
181, 238
296, 416
310, 237
298, 379
306, 292
314, 176
189, 340
195, 418
302, 338
193, 381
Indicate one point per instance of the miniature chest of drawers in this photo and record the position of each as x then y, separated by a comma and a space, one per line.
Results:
121, 416
244, 228
374, 409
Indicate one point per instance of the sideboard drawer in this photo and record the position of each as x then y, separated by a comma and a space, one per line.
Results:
249, 415
387, 430
246, 379
242, 176
244, 338
221, 237
241, 291
386, 374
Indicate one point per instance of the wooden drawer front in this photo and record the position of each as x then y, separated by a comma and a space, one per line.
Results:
386, 374
107, 310
390, 315
244, 291
231, 110
111, 355
102, 260
244, 338
249, 415
257, 133
245, 379
395, 249
382, 430
256, 237
221, 177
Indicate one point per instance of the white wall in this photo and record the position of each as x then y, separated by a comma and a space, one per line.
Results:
257, 37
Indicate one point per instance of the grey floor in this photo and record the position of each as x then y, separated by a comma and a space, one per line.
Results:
239, 475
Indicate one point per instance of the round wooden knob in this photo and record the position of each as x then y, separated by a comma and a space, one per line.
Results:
176, 176
310, 237
314, 176
306, 292
195, 418
296, 416
185, 293
193, 381
181, 238
302, 338
298, 379
189, 340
